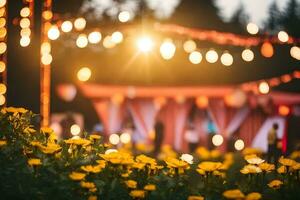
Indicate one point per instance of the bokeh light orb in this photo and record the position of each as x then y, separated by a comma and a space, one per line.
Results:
295, 52
45, 48
80, 24
114, 139
25, 32
145, 44
25, 12
3, 47
267, 50
283, 36
195, 57
2, 22
2, 66
84, 74
75, 129
217, 140
239, 145
95, 37
2, 100
117, 37
227, 59
25, 41
108, 151
108, 43
247, 55
46, 59
189, 46
264, 87
24, 23
125, 138
82, 41
284, 110
124, 16
167, 49
202, 102
212, 56
252, 28
2, 3
3, 88
53, 33
47, 15
66, 26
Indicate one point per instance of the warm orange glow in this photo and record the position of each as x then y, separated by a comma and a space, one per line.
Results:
284, 110
46, 59
45, 48
2, 66
267, 50
108, 43
25, 23
2, 3
2, 100
2, 22
2, 88
47, 15
3, 32
189, 46
3, 47
25, 32
202, 102
117, 37
84, 74
145, 44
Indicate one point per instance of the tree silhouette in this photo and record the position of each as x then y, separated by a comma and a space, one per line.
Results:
273, 22
290, 19
239, 20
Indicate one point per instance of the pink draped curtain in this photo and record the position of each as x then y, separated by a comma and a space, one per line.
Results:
143, 112
174, 116
111, 115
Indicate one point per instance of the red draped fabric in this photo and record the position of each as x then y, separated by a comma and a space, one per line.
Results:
143, 112
251, 125
200, 122
174, 116
111, 115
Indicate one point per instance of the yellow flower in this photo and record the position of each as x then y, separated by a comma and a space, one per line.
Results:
92, 197
254, 196
101, 163
137, 193
249, 151
200, 171
77, 176
195, 198
91, 169
79, 142
210, 166
88, 185
250, 169
51, 148
95, 137
47, 131
203, 153
3, 143
253, 159
14, 110
34, 161
266, 167
295, 155
296, 166
286, 161
131, 184
275, 184
29, 130
282, 170
145, 159
118, 158
150, 187
174, 163
233, 194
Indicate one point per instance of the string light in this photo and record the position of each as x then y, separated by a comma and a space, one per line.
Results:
295, 52
25, 41
46, 59
212, 56
187, 158
80, 24
2, 22
226, 59
47, 15
2, 3
125, 138
264, 88
2, 88
189, 46
45, 48
84, 74
25, 12
239, 145
66, 26
108, 43
95, 37
284, 110
195, 57
252, 28
283, 36
167, 49
24, 23
75, 130
248, 55
114, 139
117, 37
2, 100
3, 47
2, 66
217, 140
82, 41
267, 50
124, 16
145, 44
25, 32
53, 33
